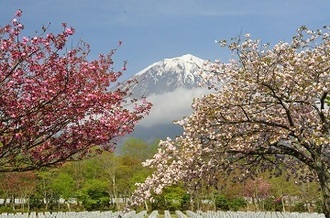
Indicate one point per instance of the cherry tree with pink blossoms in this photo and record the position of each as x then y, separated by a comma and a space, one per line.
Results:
271, 112
55, 104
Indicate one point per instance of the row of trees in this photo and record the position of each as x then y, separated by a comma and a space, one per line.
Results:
260, 194
107, 181
100, 182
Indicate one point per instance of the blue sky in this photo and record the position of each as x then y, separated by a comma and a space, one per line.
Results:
152, 30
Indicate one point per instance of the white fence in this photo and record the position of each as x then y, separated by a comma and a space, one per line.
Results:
154, 214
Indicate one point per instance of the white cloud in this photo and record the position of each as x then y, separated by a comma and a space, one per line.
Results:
171, 106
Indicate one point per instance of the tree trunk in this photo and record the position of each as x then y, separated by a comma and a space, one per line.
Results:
146, 205
114, 188
324, 179
13, 202
28, 205
68, 205
45, 200
283, 204
6, 202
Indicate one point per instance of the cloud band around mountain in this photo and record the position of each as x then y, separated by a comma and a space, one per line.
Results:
171, 106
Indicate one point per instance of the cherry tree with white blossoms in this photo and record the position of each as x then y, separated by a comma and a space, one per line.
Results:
271, 112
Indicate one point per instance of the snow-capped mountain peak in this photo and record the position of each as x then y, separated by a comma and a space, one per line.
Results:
168, 74
187, 62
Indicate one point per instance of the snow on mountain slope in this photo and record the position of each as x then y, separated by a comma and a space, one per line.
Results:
187, 62
169, 74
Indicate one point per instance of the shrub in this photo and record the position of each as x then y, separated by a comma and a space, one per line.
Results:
6, 209
236, 204
221, 202
299, 207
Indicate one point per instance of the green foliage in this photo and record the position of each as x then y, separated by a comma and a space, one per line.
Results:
173, 195
91, 168
95, 195
44, 192
236, 204
135, 148
153, 147
327, 100
96, 204
272, 204
6, 209
318, 204
299, 207
63, 185
185, 202
173, 198
282, 186
35, 202
221, 202
138, 149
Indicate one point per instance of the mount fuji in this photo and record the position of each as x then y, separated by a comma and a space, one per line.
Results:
168, 75
170, 85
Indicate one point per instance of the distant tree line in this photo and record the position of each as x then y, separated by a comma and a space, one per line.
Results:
90, 184
106, 182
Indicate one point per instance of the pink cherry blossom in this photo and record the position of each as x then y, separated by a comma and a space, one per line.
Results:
56, 104
18, 13
70, 31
